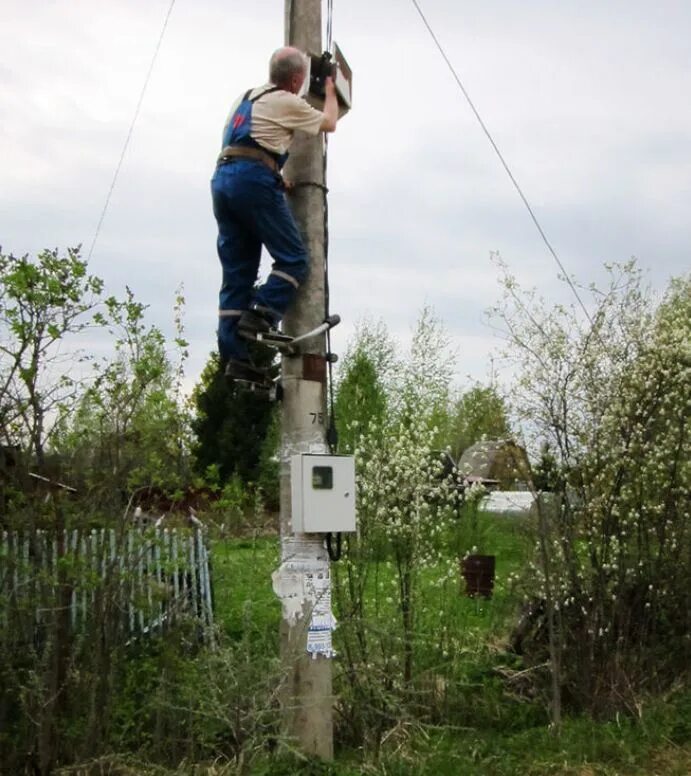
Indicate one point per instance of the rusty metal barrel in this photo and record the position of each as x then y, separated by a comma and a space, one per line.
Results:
478, 572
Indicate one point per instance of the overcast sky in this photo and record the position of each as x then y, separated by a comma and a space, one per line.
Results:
590, 103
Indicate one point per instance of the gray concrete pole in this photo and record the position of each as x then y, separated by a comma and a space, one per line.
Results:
302, 580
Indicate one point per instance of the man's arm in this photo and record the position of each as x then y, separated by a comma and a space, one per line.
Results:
330, 107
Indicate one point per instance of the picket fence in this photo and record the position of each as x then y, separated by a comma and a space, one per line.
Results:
152, 577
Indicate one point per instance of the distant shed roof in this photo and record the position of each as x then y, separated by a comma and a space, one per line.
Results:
501, 460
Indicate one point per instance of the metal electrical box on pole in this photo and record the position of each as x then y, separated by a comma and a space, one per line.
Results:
323, 493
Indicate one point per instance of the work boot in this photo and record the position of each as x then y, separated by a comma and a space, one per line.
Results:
243, 370
252, 322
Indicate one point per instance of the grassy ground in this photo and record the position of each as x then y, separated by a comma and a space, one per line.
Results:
243, 567
242, 571
499, 734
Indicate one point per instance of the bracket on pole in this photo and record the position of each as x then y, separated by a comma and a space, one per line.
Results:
314, 367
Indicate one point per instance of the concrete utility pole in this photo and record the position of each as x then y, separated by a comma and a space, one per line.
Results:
302, 581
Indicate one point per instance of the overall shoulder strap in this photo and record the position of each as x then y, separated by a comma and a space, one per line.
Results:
261, 94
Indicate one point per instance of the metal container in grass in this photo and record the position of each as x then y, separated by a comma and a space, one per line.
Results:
478, 572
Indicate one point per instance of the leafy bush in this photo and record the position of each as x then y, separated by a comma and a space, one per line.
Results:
612, 400
404, 514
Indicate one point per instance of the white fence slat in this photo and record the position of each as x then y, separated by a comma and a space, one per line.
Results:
207, 613
140, 584
73, 594
82, 557
192, 575
175, 571
159, 574
184, 592
95, 562
125, 570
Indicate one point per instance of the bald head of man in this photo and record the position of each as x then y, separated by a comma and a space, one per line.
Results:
287, 68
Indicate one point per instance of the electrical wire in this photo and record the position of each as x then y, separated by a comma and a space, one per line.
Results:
131, 129
329, 24
503, 161
331, 433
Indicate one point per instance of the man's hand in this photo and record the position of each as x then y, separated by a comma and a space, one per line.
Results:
330, 106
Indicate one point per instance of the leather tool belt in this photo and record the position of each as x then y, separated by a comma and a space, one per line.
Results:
230, 153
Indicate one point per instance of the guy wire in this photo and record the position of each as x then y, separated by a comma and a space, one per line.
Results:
503, 161
131, 129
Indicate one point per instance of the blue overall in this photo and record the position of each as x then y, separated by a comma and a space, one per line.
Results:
251, 210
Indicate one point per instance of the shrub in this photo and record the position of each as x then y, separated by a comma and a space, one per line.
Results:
612, 400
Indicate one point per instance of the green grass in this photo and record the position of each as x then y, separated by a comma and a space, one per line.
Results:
655, 745
242, 571
487, 730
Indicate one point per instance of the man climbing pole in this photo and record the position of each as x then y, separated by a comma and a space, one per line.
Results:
251, 208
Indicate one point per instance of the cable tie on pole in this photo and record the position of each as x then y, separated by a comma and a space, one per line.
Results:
302, 184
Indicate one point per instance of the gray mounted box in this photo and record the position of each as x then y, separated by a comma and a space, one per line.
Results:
322, 493
317, 69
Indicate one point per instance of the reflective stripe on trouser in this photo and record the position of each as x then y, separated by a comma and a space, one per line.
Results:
251, 210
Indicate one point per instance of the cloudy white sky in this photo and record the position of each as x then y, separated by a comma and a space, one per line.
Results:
588, 101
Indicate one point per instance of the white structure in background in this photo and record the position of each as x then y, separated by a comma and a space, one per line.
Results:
508, 502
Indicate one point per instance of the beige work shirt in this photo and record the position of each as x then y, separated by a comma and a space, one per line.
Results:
276, 116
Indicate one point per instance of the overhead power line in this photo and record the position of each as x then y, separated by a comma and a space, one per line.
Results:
329, 24
503, 161
131, 129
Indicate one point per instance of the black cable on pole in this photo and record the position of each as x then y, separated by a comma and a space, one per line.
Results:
334, 554
331, 432
329, 24
503, 161
131, 129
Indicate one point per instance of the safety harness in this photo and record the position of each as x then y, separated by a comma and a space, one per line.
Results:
237, 141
